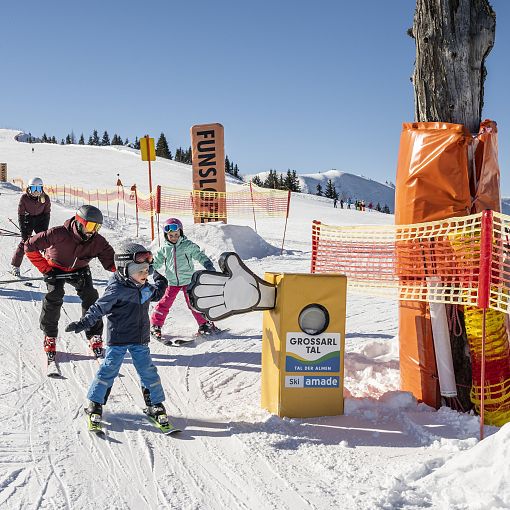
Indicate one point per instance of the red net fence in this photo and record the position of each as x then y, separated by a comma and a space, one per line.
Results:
247, 202
463, 260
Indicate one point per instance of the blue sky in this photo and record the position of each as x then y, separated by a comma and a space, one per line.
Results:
304, 85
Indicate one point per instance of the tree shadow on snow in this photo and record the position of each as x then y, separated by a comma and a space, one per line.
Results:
31, 295
247, 361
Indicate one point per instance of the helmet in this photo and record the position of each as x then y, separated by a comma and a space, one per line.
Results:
35, 185
172, 224
88, 220
131, 252
35, 181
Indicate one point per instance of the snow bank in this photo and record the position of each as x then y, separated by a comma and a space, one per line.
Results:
220, 238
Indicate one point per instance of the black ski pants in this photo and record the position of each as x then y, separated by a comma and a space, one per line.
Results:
54, 299
29, 224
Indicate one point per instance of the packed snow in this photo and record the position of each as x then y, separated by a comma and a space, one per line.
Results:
387, 451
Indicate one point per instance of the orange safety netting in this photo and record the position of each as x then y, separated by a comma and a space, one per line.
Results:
404, 258
246, 202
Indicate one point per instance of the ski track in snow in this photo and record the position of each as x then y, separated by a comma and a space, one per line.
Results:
231, 454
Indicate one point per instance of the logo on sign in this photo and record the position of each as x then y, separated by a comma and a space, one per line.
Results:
312, 353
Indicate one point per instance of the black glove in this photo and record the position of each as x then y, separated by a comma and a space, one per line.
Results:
76, 327
209, 266
51, 276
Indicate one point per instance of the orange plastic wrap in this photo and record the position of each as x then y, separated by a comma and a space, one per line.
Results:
487, 195
432, 184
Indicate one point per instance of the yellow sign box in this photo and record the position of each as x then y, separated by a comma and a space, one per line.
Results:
147, 149
303, 345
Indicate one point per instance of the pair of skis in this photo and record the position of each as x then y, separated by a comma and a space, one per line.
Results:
53, 368
177, 342
96, 426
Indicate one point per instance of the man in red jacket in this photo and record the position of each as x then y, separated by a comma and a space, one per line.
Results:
68, 249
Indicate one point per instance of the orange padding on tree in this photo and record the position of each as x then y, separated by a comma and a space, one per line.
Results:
432, 183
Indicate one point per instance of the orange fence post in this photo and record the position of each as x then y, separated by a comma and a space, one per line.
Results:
484, 289
253, 208
286, 218
316, 232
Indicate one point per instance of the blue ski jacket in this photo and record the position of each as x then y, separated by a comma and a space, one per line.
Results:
126, 307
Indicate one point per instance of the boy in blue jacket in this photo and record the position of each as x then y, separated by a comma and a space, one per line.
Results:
125, 302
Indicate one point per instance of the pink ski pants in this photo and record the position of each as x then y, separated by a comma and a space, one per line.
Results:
161, 310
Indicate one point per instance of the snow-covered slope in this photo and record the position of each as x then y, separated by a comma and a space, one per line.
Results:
387, 451
355, 187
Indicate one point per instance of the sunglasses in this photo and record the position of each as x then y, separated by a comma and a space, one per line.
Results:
171, 227
33, 188
88, 226
139, 257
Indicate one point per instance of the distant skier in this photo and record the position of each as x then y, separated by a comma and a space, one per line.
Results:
335, 200
125, 302
175, 260
34, 210
68, 249
341, 203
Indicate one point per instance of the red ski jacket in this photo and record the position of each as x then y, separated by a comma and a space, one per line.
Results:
65, 249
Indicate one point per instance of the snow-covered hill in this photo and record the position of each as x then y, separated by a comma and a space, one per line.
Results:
387, 451
355, 187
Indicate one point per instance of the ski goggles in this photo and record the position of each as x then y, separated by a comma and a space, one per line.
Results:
139, 257
171, 227
88, 226
33, 188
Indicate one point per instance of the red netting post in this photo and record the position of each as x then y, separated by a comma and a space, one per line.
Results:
133, 188
158, 209
484, 289
316, 233
64, 194
107, 205
97, 198
253, 209
286, 218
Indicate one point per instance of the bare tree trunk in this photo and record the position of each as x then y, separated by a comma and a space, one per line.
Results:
453, 38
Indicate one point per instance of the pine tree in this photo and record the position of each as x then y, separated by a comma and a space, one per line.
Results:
62, 141
95, 138
319, 190
73, 138
137, 143
227, 165
257, 181
162, 149
91, 141
330, 190
106, 139
126, 142
281, 182
44, 138
235, 172
188, 156
378, 207
53, 139
68, 140
81, 141
295, 182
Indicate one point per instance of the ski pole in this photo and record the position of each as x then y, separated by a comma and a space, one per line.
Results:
57, 277
14, 224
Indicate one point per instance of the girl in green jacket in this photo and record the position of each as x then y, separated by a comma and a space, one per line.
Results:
174, 260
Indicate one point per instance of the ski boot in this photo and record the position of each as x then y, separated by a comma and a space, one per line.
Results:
95, 414
157, 412
96, 344
156, 332
15, 272
208, 328
50, 347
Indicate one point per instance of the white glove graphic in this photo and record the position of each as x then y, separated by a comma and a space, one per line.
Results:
235, 290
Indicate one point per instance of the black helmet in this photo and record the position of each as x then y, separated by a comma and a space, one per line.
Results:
88, 214
131, 252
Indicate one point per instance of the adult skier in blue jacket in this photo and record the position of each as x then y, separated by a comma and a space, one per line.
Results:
125, 302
